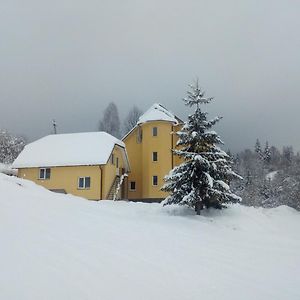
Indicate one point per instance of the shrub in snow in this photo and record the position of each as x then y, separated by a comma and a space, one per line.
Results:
7, 169
10, 146
202, 179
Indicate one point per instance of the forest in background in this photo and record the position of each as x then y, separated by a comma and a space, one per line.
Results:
270, 177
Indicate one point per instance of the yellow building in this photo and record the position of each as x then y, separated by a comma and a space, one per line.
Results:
92, 165
149, 146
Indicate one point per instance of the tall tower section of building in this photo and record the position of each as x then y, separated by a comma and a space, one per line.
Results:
149, 146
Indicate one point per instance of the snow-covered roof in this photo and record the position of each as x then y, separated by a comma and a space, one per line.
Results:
158, 113
73, 149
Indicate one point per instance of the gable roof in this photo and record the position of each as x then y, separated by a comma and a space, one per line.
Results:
156, 112
73, 149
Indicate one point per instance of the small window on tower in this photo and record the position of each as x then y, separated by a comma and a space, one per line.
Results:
132, 185
154, 131
154, 156
155, 180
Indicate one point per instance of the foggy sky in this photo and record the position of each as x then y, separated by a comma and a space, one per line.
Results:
68, 59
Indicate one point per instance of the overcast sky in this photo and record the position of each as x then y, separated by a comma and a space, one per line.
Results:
67, 59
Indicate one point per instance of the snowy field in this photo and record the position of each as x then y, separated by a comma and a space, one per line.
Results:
62, 247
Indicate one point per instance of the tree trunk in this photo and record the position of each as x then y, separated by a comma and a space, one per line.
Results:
198, 207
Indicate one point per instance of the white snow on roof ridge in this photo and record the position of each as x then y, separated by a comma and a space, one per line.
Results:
157, 112
70, 149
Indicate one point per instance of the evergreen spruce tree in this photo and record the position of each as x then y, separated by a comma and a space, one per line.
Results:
202, 180
267, 153
258, 149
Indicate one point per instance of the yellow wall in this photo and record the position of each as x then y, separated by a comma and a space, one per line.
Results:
140, 157
134, 151
162, 144
67, 178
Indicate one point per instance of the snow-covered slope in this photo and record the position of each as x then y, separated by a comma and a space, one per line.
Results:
57, 246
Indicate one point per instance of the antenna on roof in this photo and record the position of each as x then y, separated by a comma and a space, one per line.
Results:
54, 126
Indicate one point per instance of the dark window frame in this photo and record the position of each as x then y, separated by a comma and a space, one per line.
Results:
154, 180
154, 131
84, 183
155, 156
130, 186
46, 173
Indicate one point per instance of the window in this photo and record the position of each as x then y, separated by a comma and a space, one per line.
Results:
154, 180
44, 173
154, 156
117, 162
112, 159
84, 182
48, 171
87, 182
132, 185
81, 183
154, 131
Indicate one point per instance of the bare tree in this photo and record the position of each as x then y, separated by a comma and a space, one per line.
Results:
131, 119
110, 122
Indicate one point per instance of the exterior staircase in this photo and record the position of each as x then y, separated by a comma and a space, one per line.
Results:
112, 192
119, 186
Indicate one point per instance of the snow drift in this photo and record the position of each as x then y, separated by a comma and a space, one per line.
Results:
8, 170
57, 246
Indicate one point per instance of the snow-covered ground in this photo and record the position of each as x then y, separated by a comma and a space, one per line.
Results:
57, 246
270, 176
8, 170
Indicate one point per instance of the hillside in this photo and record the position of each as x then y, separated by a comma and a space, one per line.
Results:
63, 247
